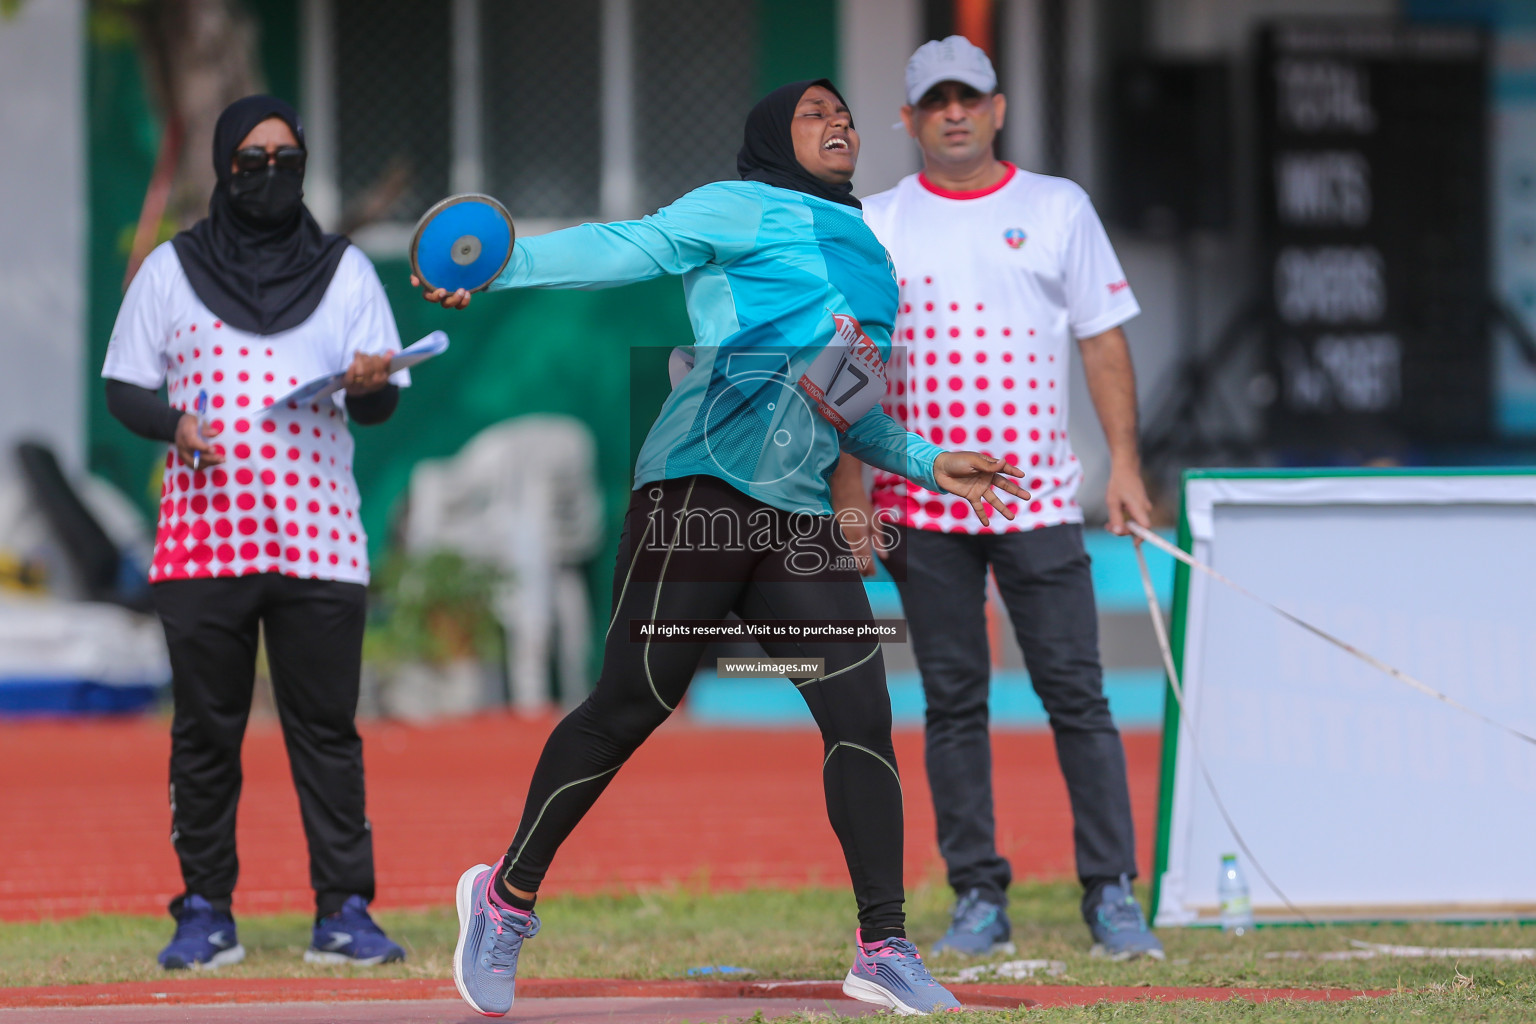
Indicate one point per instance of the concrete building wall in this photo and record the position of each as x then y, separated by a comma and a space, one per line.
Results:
875, 37
1022, 82
42, 228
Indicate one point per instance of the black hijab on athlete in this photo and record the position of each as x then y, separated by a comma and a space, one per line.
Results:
768, 150
259, 262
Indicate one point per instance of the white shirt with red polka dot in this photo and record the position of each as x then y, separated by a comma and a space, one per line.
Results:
995, 285
284, 500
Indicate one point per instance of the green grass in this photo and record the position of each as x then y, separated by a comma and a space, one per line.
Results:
1407, 1008
806, 934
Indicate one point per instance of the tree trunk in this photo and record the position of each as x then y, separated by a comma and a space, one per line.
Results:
199, 56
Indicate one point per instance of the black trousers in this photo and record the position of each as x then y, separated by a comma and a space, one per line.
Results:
314, 634
1045, 584
697, 548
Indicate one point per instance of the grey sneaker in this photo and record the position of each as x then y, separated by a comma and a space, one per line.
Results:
1119, 927
891, 973
977, 927
490, 939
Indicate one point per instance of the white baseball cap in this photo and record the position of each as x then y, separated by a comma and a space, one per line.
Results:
955, 59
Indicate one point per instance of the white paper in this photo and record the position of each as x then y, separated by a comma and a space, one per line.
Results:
433, 344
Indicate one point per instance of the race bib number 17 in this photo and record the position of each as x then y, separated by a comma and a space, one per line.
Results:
848, 377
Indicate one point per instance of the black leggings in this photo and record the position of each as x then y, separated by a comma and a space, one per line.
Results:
697, 548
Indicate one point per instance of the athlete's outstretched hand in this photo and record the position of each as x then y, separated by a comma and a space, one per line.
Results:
442, 296
973, 476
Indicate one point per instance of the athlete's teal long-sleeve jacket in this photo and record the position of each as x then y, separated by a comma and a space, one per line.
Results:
764, 269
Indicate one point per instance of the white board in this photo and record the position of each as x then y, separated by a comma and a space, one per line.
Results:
1359, 796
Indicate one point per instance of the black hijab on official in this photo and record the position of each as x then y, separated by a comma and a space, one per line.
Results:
768, 150
257, 277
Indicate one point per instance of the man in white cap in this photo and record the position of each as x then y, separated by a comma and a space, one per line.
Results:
999, 270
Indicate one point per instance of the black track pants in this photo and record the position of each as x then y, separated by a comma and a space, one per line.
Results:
1044, 579
314, 635
687, 553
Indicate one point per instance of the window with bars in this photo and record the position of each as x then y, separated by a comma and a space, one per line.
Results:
392, 85
568, 111
695, 80
541, 102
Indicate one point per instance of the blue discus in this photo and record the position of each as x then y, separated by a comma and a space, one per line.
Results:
463, 241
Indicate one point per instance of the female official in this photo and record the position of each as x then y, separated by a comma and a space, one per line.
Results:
259, 529
792, 300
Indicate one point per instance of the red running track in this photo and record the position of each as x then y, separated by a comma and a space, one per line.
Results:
266, 992
85, 822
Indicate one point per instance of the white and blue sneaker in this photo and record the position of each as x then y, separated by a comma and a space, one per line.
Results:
205, 938
891, 973
977, 927
490, 939
1119, 927
350, 936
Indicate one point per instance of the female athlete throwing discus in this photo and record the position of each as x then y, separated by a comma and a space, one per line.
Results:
792, 300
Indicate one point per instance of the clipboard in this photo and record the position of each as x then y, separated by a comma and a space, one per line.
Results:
434, 344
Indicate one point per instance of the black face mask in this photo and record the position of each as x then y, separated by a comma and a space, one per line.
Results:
267, 199
258, 261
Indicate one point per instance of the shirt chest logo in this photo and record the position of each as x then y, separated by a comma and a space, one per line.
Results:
1015, 237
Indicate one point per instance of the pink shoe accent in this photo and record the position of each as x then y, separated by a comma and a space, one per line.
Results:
490, 891
490, 887
873, 948
496, 907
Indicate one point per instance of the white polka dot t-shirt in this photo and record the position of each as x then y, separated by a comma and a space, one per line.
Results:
995, 285
284, 500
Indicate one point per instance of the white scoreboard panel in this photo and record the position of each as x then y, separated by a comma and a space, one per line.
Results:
1361, 797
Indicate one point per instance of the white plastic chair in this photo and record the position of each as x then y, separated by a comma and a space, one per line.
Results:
522, 495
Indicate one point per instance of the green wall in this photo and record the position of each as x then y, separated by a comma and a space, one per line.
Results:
797, 39
514, 353
511, 354
279, 45
122, 141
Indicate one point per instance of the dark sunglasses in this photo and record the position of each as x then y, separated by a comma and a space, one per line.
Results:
252, 159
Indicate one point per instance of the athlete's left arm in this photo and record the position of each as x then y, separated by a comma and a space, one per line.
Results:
709, 224
879, 440
1112, 384
712, 223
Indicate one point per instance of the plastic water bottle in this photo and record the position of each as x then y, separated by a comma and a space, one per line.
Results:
1232, 893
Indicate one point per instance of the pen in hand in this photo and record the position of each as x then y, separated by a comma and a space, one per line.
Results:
201, 410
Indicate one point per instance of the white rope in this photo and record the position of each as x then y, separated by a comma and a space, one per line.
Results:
1174, 684
1142, 533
